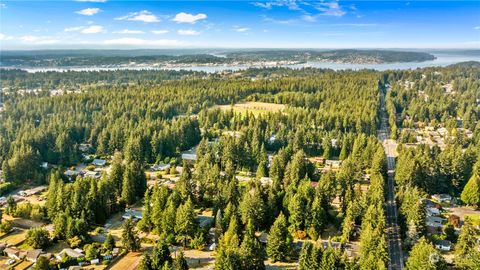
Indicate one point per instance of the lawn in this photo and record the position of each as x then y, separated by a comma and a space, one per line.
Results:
23, 265
128, 262
253, 107
15, 238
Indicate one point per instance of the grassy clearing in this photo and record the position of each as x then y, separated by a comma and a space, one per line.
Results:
15, 238
254, 107
128, 262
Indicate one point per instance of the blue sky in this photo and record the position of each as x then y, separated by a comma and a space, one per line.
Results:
236, 24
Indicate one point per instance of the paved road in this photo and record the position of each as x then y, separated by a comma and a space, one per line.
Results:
393, 231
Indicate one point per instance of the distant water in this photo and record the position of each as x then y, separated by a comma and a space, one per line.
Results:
442, 59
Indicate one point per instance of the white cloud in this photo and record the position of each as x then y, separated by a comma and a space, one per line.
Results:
128, 31
242, 30
39, 40
73, 29
93, 1
477, 27
291, 4
330, 8
159, 32
5, 37
93, 29
183, 17
143, 42
88, 11
188, 32
3, 5
141, 16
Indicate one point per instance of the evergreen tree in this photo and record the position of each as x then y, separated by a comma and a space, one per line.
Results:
227, 260
251, 251
128, 186
471, 191
180, 263
160, 255
424, 256
467, 253
130, 240
109, 242
279, 243
185, 221
146, 262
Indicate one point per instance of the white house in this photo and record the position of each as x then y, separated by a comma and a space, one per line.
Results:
93, 174
72, 253
99, 162
160, 167
444, 245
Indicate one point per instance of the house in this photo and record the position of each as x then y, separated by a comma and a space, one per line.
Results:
130, 213
444, 245
95, 261
93, 174
99, 162
71, 173
160, 167
32, 255
435, 222
334, 164
432, 211
442, 198
13, 253
190, 155
72, 253
32, 191
84, 147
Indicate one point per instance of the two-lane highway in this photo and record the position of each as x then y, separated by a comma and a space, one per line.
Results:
393, 231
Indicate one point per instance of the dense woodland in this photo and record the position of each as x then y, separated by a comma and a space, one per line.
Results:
147, 117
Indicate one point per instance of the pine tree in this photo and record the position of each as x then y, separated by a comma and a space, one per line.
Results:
128, 186
218, 225
7, 172
109, 242
160, 255
180, 263
471, 192
227, 260
251, 251
116, 174
130, 240
185, 221
145, 263
310, 257
467, 253
145, 224
279, 243
424, 256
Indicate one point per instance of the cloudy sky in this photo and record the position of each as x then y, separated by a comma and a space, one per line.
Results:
280, 24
